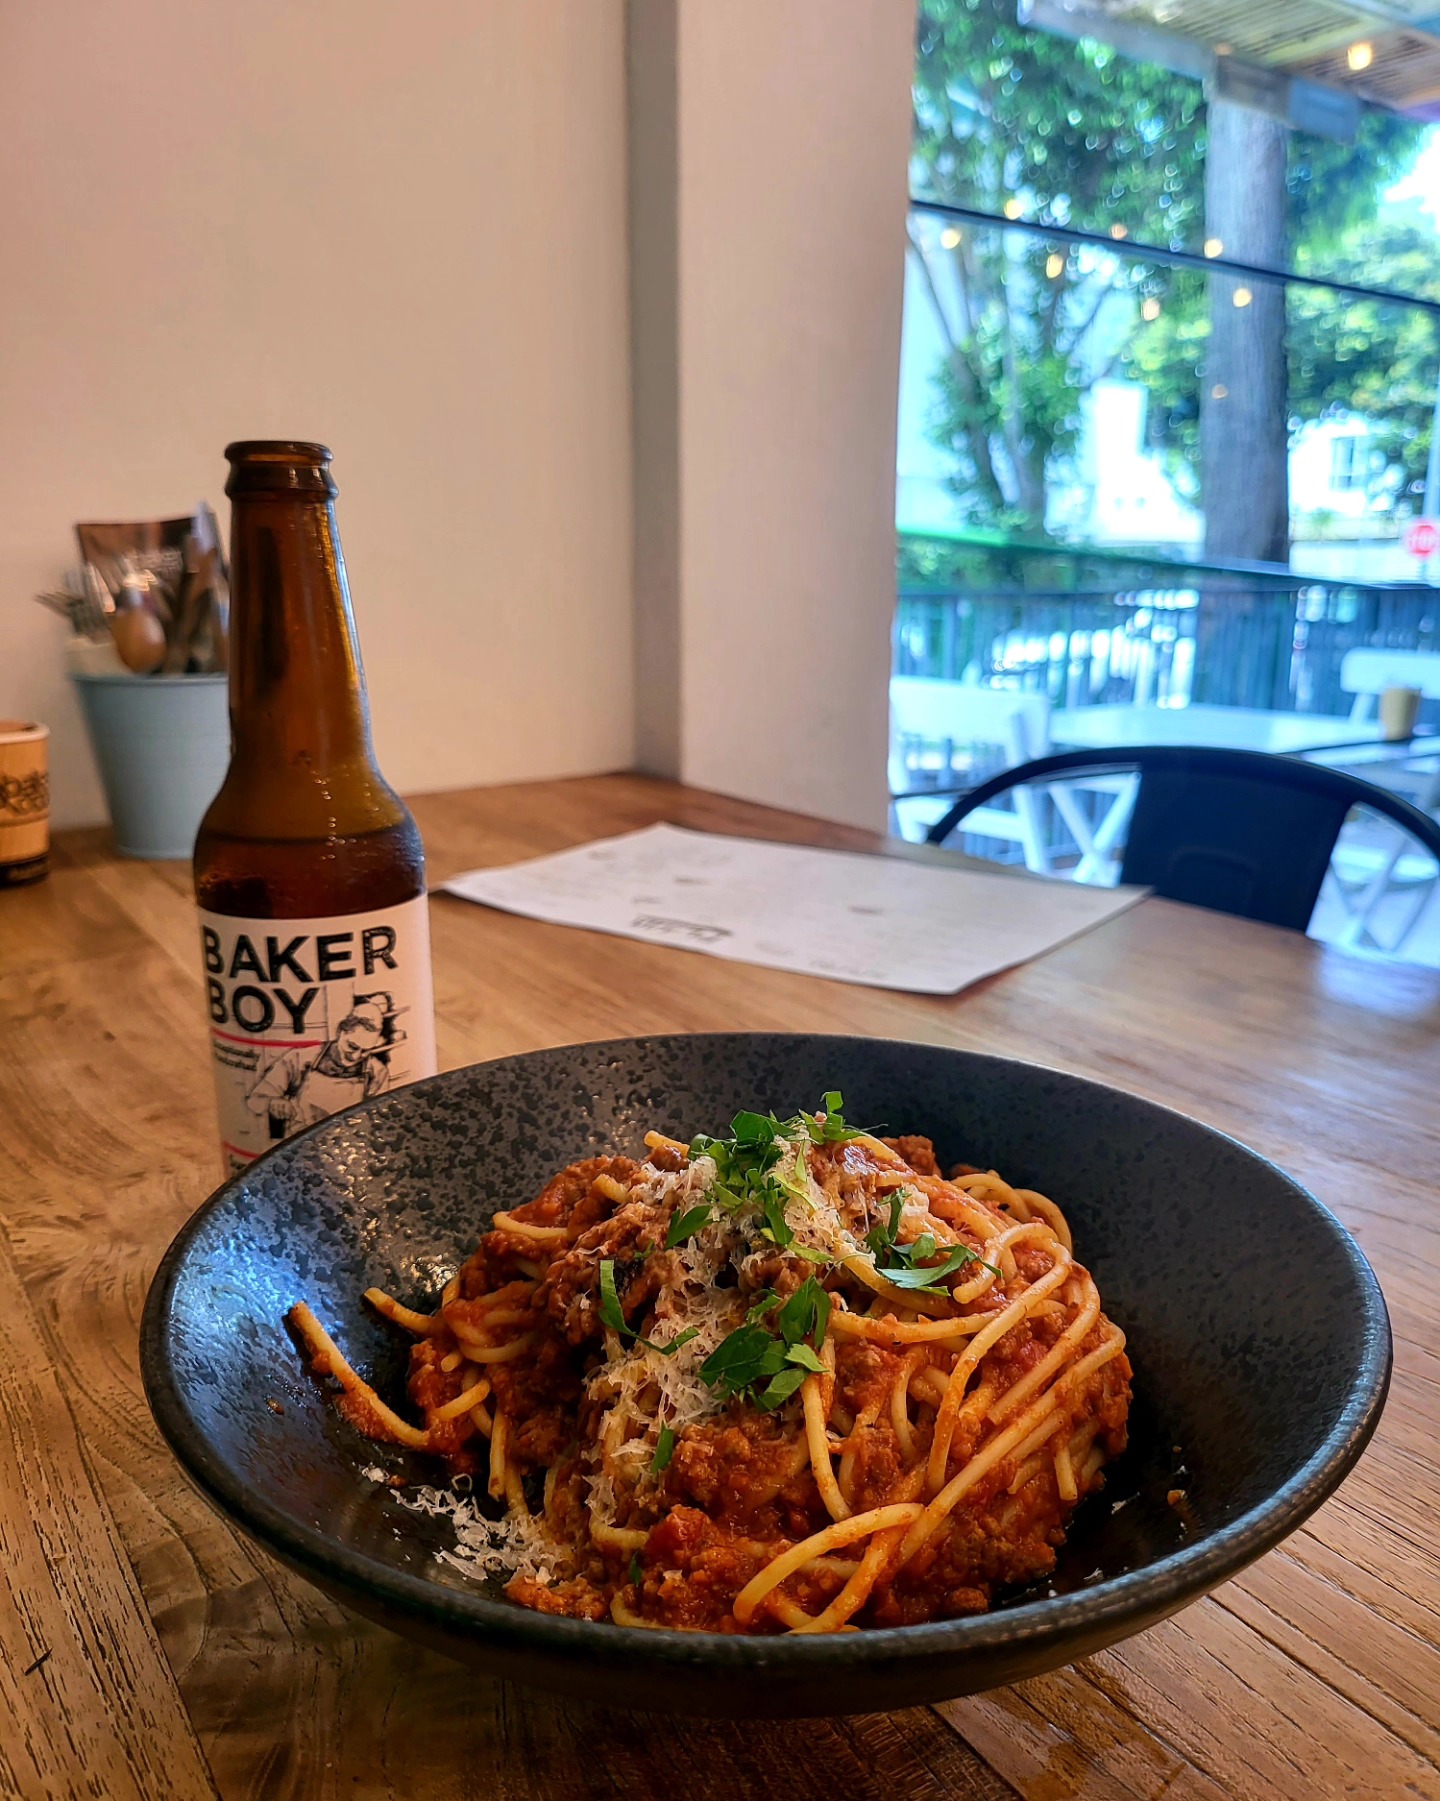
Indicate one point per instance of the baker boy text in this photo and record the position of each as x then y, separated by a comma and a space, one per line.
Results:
283, 976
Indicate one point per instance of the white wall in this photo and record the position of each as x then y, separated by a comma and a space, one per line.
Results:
792, 130
399, 229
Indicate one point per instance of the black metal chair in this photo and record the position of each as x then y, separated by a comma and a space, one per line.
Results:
1238, 831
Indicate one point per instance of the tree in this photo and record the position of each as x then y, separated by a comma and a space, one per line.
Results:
1073, 133
1334, 368
1091, 140
1244, 443
1344, 356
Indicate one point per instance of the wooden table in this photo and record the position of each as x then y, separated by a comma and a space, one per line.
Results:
147, 1650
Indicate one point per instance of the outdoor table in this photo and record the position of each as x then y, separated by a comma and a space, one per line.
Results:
1234, 728
147, 1649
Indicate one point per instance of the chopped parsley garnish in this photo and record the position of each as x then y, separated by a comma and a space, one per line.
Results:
664, 1451
912, 1265
772, 1210
757, 1142
636, 1572
766, 1367
687, 1224
748, 1172
805, 1315
614, 1317
610, 1300
831, 1129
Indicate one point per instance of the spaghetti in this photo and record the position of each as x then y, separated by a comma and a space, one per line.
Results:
794, 1380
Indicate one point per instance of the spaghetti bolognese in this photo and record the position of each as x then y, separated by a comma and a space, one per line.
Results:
791, 1380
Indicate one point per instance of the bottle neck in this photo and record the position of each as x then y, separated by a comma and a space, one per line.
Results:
297, 691
299, 719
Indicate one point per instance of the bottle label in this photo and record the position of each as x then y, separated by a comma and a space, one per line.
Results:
311, 1015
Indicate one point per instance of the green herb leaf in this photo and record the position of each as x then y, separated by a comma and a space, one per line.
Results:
669, 1350
664, 1450
779, 1388
910, 1265
636, 1573
928, 1278
686, 1225
610, 1310
745, 1357
811, 1254
755, 1128
755, 1364
830, 1127
881, 1238
776, 1229
806, 1314
614, 1317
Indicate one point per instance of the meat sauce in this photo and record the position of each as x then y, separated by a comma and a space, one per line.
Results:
739, 1488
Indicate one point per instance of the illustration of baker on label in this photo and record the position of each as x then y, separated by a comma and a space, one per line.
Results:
310, 1016
303, 1086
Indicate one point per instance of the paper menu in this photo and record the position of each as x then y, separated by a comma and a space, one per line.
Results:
882, 922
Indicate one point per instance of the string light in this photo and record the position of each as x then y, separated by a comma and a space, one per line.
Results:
1150, 309
1213, 246
1360, 56
1054, 265
1219, 391
1013, 209
950, 238
1242, 297
1119, 231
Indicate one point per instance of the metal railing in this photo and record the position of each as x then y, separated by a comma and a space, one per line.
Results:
1048, 620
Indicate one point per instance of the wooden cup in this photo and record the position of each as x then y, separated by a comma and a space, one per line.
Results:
24, 802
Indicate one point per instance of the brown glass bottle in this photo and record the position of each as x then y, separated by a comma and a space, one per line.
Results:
309, 871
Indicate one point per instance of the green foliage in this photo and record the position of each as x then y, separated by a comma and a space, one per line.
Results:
1074, 133
1167, 356
1335, 189
1382, 362
1343, 356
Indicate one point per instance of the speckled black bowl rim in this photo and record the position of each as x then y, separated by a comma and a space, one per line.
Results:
1142, 1595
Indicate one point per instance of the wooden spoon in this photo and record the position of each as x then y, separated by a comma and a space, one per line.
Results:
139, 639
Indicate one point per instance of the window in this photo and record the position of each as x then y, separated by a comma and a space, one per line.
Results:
1347, 462
1146, 310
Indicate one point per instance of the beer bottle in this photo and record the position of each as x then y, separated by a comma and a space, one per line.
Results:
309, 871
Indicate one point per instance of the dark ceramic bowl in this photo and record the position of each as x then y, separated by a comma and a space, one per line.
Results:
1257, 1330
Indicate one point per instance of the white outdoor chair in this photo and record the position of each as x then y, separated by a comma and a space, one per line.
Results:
1370, 868
939, 732
1375, 862
1367, 673
936, 729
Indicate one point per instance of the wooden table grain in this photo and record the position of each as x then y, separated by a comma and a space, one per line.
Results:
146, 1649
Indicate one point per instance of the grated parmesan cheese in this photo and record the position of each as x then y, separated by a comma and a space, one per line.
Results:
515, 1545
641, 1388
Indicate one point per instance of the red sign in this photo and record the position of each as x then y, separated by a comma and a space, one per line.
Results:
1422, 537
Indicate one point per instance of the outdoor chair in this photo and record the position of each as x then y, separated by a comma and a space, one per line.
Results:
1237, 831
941, 731
1367, 672
1370, 871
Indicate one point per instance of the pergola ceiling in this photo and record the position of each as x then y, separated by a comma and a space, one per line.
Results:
1395, 43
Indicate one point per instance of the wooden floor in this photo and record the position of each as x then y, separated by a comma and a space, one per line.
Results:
147, 1650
